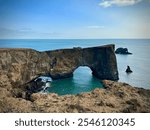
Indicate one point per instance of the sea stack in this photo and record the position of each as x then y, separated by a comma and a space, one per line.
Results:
128, 70
123, 51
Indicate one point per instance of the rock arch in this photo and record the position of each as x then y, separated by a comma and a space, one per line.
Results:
101, 60
23, 65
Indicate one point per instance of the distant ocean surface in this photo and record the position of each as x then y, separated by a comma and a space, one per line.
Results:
139, 61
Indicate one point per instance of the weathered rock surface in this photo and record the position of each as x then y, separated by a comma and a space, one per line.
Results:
22, 65
116, 97
122, 51
19, 66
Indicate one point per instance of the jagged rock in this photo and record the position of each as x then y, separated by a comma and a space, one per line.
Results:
122, 51
120, 97
128, 70
22, 66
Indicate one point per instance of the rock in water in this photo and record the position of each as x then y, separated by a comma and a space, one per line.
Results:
122, 51
128, 70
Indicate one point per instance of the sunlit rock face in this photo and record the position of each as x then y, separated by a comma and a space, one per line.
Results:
23, 65
20, 66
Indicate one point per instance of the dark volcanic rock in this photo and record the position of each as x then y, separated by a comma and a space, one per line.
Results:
128, 70
122, 51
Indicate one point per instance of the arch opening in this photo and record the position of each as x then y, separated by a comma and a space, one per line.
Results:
82, 81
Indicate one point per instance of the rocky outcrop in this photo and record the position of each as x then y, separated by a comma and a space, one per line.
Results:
101, 60
116, 97
128, 70
122, 51
20, 66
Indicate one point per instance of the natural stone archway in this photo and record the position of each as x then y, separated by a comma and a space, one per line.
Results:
23, 65
101, 60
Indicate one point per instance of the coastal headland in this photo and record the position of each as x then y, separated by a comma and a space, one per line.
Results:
20, 67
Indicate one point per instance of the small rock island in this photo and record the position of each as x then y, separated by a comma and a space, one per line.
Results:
123, 51
128, 70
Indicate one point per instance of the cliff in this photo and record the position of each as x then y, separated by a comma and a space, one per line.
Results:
20, 66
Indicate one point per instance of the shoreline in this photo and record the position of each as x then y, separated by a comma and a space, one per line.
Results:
19, 67
116, 97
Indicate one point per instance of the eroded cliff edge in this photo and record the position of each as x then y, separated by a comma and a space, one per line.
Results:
20, 66
116, 97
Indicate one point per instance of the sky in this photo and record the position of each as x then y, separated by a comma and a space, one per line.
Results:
71, 19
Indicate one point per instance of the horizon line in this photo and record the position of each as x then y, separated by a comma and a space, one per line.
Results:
70, 38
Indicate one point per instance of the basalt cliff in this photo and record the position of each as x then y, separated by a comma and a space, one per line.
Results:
20, 67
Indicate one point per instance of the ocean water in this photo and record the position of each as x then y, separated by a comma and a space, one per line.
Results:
83, 80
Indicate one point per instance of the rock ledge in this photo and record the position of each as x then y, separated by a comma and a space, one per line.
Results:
116, 97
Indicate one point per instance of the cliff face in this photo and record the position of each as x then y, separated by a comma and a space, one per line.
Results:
101, 60
20, 66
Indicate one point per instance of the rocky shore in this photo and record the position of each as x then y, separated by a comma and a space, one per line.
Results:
20, 67
116, 97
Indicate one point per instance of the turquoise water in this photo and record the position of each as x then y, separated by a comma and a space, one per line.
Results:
139, 61
82, 81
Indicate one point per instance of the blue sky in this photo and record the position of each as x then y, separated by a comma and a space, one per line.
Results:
74, 19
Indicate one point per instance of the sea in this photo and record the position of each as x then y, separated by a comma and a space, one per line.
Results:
83, 80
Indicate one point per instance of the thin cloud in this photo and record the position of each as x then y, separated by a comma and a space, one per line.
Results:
25, 32
95, 27
109, 3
